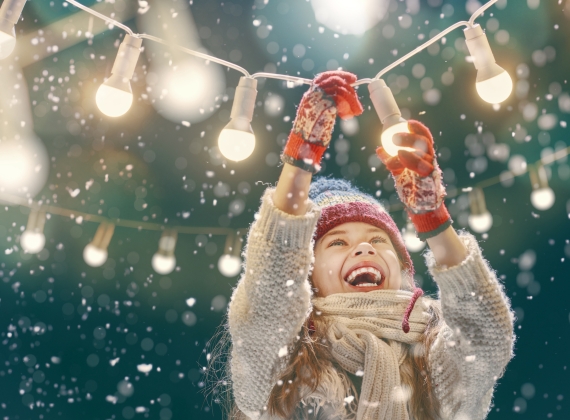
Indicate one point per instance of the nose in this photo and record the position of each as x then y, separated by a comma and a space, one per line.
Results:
364, 249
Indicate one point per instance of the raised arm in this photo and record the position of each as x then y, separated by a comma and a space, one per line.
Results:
272, 299
475, 342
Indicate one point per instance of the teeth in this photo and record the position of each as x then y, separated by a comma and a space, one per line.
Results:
366, 285
373, 271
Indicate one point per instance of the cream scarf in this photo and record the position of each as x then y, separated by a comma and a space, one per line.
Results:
366, 339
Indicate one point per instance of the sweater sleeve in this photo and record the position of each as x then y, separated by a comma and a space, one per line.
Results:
271, 301
476, 340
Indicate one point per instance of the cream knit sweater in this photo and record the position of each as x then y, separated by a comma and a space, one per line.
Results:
273, 298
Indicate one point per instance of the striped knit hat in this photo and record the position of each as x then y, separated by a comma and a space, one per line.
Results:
340, 202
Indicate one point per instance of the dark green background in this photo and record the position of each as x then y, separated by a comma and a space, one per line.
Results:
57, 293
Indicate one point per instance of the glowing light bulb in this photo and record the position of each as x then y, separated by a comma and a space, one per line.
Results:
229, 265
349, 17
163, 264
388, 134
389, 114
32, 242
480, 223
163, 261
237, 141
480, 220
24, 165
542, 198
236, 145
115, 97
412, 242
493, 83
112, 100
33, 239
95, 256
95, 253
7, 44
10, 13
496, 89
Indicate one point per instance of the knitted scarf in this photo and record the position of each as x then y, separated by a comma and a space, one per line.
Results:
366, 339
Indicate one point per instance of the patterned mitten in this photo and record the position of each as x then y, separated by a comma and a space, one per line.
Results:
329, 95
418, 180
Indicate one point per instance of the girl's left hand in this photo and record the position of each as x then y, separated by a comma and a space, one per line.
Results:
418, 180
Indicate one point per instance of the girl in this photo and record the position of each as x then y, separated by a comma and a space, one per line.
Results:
326, 321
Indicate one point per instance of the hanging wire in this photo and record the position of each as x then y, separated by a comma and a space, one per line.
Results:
194, 230
288, 78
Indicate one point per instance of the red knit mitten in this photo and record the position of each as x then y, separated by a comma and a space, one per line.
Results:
418, 180
329, 95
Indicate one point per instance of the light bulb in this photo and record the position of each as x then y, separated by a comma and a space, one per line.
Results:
163, 261
229, 265
163, 264
480, 223
389, 114
112, 100
388, 134
493, 83
236, 145
94, 256
353, 17
10, 13
33, 239
7, 44
24, 165
412, 242
480, 220
32, 242
95, 253
542, 198
495, 89
115, 97
237, 141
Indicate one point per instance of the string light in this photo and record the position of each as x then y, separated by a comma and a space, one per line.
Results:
480, 220
10, 13
115, 96
237, 141
95, 253
411, 240
164, 261
33, 239
494, 84
542, 196
229, 263
389, 114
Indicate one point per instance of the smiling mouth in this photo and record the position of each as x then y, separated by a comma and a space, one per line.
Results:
365, 277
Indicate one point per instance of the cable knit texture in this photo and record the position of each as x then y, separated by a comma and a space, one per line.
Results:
359, 323
273, 298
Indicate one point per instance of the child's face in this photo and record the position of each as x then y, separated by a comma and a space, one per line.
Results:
355, 253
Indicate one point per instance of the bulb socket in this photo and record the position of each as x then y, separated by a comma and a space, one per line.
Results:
477, 202
127, 57
384, 102
234, 242
103, 236
538, 177
10, 13
244, 101
167, 243
480, 50
36, 221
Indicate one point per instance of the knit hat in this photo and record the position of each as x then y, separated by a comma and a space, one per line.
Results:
341, 202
